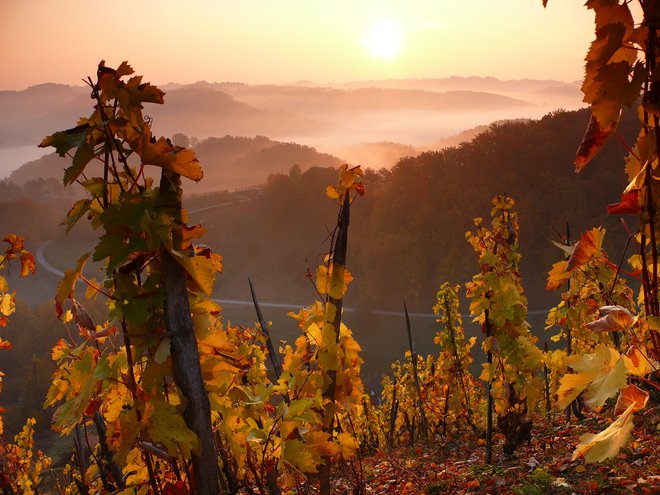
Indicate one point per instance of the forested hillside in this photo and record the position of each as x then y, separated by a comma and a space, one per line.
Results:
417, 213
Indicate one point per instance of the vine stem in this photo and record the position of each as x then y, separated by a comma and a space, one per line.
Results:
132, 386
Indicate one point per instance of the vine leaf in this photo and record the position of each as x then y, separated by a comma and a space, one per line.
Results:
613, 76
558, 276
587, 248
614, 319
593, 141
331, 283
607, 443
639, 364
64, 141
629, 204
599, 375
7, 306
68, 283
167, 427
631, 395
201, 269
295, 454
163, 153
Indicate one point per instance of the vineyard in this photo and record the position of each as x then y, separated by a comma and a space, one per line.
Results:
163, 396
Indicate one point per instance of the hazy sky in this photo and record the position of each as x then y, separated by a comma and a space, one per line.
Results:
260, 41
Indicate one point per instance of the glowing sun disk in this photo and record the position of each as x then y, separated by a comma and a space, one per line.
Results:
384, 39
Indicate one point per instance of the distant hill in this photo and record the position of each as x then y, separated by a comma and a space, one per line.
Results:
329, 100
471, 83
205, 112
49, 166
229, 163
29, 115
237, 162
410, 111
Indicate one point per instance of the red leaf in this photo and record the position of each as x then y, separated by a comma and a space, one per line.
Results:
629, 204
178, 488
593, 141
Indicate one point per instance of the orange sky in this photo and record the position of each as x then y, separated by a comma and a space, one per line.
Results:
259, 41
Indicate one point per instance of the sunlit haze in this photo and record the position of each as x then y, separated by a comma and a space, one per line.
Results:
277, 42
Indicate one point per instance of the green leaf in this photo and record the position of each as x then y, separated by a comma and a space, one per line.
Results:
76, 212
163, 351
63, 141
82, 157
136, 310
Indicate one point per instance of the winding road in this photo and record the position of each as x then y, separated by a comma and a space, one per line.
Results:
237, 302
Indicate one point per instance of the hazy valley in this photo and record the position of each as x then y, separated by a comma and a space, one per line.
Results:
340, 120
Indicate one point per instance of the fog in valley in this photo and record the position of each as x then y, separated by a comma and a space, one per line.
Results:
340, 120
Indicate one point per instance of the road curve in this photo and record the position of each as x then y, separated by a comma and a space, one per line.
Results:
237, 302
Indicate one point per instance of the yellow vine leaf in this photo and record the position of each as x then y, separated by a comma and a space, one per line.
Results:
68, 283
639, 364
332, 192
327, 354
114, 402
348, 176
557, 276
60, 349
599, 375
334, 281
167, 426
200, 268
347, 445
322, 443
138, 473
607, 443
300, 456
7, 306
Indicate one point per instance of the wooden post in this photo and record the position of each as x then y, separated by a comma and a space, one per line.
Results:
489, 417
185, 355
274, 358
338, 259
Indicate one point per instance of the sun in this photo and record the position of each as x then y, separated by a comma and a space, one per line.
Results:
384, 39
